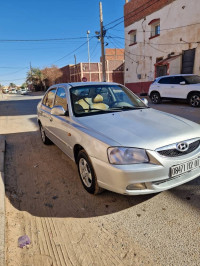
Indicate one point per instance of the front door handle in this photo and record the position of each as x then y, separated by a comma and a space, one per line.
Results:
51, 119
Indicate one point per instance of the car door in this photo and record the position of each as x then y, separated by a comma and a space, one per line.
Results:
60, 126
176, 89
45, 111
171, 87
164, 86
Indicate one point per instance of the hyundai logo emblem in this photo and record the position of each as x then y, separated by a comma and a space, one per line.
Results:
182, 146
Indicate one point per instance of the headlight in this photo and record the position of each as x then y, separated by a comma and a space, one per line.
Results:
120, 155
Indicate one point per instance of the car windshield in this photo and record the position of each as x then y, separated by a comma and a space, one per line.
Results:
99, 99
194, 79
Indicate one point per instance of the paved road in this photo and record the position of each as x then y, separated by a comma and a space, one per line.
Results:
67, 226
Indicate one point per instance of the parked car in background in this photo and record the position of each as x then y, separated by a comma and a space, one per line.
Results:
183, 86
116, 140
13, 91
23, 91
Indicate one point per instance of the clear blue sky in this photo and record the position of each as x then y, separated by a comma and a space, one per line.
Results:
42, 19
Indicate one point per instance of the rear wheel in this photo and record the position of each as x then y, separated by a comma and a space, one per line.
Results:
87, 174
194, 99
44, 138
155, 98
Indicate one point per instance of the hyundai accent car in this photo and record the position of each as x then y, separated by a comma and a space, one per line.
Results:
184, 86
116, 140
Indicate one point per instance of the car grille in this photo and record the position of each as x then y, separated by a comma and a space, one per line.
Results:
174, 152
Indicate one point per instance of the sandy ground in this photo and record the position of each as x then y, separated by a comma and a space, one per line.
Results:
67, 226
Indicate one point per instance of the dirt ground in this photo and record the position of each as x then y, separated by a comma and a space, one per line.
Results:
67, 226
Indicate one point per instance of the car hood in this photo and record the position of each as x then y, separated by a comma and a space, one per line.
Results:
144, 128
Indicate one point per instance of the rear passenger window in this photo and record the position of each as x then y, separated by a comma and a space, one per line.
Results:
175, 80
49, 98
167, 80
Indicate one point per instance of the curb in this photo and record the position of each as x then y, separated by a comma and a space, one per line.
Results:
2, 201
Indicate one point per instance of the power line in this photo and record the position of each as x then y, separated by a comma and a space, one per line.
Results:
13, 72
157, 48
5, 67
72, 52
127, 55
128, 18
167, 29
135, 54
11, 80
118, 37
44, 40
127, 14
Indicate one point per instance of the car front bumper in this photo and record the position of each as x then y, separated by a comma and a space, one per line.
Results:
153, 177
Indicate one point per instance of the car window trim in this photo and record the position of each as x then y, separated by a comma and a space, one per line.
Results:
54, 88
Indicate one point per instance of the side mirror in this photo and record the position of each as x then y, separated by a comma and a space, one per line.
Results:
182, 83
58, 110
145, 101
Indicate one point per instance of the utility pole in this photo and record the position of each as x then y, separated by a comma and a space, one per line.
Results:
102, 33
88, 32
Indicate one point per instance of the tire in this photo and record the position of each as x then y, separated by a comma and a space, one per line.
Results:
44, 138
155, 98
194, 99
87, 174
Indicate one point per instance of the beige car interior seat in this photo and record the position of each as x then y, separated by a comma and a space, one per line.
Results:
98, 103
85, 103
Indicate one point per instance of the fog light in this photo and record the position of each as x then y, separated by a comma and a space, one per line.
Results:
137, 186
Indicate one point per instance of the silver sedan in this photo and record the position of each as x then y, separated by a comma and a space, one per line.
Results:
117, 141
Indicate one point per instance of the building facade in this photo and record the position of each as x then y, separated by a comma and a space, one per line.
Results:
93, 71
161, 38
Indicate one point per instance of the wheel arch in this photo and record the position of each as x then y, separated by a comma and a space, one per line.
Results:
39, 122
154, 92
77, 148
192, 92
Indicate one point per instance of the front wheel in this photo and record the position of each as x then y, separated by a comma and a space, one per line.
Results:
87, 174
194, 99
155, 98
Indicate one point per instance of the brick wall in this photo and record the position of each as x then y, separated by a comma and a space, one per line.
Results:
113, 54
138, 9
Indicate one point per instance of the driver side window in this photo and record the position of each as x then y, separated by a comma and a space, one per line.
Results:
49, 98
61, 99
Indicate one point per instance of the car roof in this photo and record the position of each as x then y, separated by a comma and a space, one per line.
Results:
177, 75
82, 84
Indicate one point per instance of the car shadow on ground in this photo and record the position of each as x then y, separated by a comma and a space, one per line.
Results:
44, 182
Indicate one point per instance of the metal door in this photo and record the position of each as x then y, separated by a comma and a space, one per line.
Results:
188, 61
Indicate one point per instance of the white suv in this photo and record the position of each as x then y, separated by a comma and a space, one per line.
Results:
183, 86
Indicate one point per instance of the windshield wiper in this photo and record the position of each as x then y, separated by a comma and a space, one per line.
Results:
127, 108
102, 110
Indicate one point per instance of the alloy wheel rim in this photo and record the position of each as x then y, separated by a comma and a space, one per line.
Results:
85, 172
155, 98
195, 100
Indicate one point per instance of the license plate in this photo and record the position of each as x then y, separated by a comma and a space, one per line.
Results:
185, 167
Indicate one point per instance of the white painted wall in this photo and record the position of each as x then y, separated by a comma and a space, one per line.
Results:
140, 58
